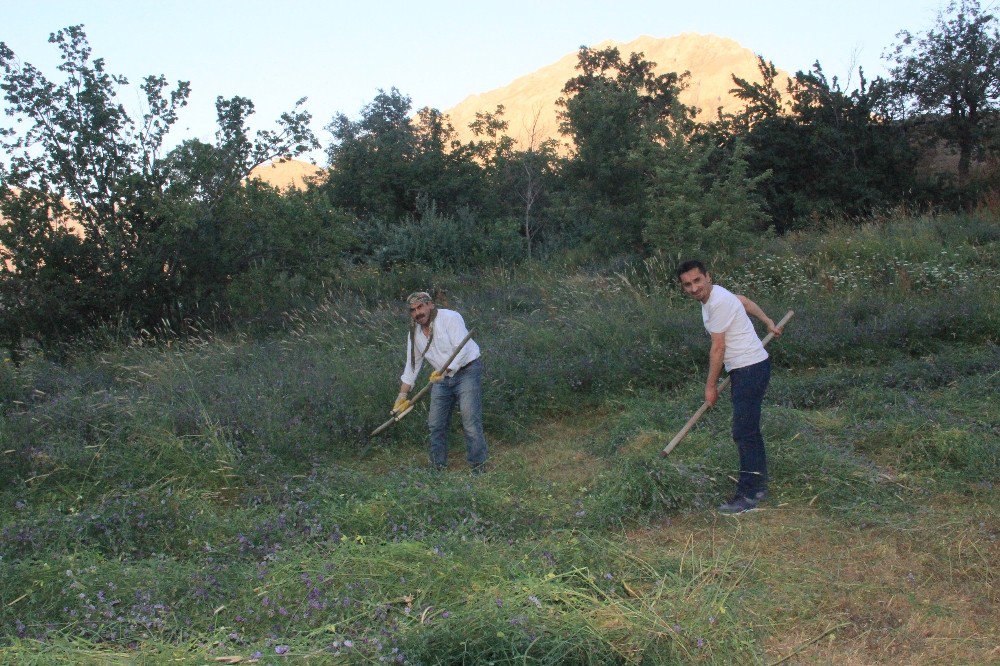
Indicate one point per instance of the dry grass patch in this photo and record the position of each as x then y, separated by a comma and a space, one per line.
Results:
823, 591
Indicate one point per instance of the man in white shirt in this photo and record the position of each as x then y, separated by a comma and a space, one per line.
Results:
736, 346
434, 335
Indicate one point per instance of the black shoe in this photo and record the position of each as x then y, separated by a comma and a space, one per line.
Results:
738, 505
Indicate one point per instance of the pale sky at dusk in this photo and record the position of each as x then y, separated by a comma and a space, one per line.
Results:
338, 54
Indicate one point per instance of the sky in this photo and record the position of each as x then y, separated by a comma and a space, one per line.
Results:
438, 52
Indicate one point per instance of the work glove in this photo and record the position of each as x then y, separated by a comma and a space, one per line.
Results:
436, 376
401, 404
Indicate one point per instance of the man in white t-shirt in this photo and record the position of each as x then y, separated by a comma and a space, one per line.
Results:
736, 346
434, 335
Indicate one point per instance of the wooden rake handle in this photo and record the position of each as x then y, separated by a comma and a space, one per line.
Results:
722, 387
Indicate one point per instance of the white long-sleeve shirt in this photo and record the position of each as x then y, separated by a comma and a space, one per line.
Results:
448, 331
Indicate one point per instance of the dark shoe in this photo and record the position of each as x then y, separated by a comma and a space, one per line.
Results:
738, 505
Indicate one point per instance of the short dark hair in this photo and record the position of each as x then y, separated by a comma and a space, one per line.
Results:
690, 265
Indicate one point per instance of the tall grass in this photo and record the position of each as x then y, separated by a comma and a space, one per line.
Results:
208, 497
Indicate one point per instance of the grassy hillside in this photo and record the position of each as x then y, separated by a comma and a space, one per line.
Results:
210, 499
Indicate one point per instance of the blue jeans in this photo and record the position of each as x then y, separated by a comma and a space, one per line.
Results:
748, 386
465, 387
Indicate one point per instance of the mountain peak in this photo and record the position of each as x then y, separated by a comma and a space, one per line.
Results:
530, 100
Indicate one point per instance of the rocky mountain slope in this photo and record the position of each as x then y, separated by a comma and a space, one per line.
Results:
530, 101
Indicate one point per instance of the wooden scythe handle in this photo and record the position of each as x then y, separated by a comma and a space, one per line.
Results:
725, 383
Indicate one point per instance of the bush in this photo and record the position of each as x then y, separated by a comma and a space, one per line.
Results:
456, 242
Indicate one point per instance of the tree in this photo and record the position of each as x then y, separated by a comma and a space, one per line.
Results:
222, 225
529, 174
618, 113
521, 177
952, 69
703, 202
388, 165
81, 158
830, 152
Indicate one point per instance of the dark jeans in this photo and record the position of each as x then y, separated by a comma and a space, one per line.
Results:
748, 387
465, 388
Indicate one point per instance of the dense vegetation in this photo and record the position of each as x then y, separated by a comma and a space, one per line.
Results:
185, 466
174, 239
210, 498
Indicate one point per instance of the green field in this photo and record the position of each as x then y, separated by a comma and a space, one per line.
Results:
194, 500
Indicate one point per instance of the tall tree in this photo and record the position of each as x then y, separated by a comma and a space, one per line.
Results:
76, 155
830, 151
388, 164
617, 111
521, 176
953, 69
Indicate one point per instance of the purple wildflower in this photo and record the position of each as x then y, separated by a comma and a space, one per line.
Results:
281, 649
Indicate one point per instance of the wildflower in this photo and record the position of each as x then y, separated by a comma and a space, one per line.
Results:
348, 643
701, 642
446, 614
281, 649
257, 655
533, 599
499, 602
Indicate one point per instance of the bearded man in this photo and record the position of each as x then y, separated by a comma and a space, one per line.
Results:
434, 335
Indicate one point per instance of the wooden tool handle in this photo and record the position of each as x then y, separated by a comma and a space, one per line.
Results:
725, 383
421, 392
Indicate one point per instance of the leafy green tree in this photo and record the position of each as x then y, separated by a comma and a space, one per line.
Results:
225, 226
389, 164
829, 152
953, 69
76, 157
370, 158
618, 113
702, 202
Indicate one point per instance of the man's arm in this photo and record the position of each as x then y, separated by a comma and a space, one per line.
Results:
715, 361
755, 311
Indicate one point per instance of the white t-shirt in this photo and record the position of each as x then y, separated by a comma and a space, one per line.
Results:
448, 331
724, 313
